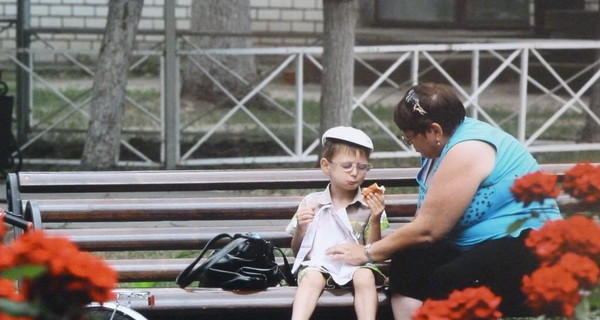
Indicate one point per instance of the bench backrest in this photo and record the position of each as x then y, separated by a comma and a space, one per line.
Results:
30, 183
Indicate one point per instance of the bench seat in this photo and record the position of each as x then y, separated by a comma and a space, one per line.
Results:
198, 300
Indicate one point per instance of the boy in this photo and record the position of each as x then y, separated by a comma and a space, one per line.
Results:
336, 215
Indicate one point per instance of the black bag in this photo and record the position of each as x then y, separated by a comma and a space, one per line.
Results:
246, 262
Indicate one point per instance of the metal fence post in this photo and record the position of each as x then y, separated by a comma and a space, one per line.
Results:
171, 105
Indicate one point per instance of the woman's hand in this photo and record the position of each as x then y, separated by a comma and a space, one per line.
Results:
351, 253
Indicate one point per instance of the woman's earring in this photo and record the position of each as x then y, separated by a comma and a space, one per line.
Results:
437, 142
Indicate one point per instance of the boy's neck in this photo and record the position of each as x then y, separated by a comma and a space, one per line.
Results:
341, 198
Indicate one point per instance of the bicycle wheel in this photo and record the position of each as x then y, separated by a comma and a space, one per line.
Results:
111, 311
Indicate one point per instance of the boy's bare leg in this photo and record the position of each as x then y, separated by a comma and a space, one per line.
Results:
403, 307
309, 289
365, 294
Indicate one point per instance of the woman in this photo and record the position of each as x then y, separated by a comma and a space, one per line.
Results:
458, 237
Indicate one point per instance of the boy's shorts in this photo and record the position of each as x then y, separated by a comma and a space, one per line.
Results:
380, 278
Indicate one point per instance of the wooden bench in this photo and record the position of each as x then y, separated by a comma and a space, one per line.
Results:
182, 210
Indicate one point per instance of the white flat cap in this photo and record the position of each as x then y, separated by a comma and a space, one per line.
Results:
348, 134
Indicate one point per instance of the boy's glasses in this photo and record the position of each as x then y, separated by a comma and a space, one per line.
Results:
348, 166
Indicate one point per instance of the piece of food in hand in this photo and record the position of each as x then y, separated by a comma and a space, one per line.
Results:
374, 188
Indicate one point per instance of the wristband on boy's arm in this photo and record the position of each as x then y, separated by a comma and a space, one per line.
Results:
368, 253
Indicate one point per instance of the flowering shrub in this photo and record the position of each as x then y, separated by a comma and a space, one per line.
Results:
56, 279
469, 304
568, 250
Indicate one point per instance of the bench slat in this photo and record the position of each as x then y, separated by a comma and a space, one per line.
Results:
136, 270
177, 238
180, 238
192, 301
139, 270
196, 180
179, 209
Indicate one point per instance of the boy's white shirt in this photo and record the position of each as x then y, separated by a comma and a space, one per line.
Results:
329, 227
320, 200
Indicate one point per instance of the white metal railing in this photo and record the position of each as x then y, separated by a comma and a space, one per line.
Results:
290, 137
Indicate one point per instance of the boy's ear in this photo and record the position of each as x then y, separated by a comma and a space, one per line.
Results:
324, 165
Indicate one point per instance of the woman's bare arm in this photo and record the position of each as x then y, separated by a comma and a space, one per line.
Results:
451, 190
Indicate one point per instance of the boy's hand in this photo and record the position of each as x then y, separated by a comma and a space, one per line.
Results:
305, 216
376, 204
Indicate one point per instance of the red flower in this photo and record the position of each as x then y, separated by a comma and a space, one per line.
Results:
2, 227
583, 182
73, 280
583, 269
433, 310
577, 234
535, 186
552, 291
468, 304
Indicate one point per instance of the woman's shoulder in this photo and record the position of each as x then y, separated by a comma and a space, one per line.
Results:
461, 157
476, 127
476, 130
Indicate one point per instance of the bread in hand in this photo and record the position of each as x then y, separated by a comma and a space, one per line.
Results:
374, 188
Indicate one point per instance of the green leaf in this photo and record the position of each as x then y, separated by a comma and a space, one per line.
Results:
516, 225
582, 310
594, 298
20, 272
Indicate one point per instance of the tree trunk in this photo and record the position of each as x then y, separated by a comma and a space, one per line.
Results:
101, 151
226, 16
337, 91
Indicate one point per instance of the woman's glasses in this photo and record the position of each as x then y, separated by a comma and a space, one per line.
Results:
413, 99
406, 140
348, 166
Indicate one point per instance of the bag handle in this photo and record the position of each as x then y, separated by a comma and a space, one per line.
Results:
185, 278
286, 273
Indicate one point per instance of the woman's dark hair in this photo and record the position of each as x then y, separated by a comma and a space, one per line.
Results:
426, 103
